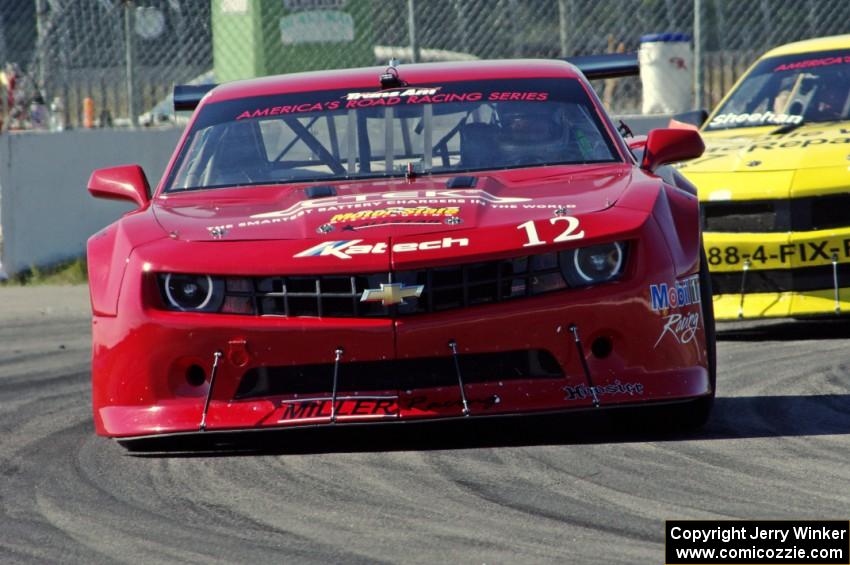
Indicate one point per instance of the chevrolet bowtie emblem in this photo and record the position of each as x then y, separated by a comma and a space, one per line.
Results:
390, 294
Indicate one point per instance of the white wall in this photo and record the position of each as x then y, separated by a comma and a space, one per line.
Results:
46, 213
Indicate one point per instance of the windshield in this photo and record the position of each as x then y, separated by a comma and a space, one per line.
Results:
790, 90
344, 134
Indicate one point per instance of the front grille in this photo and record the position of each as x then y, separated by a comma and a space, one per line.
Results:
446, 288
827, 212
796, 214
781, 280
741, 216
406, 374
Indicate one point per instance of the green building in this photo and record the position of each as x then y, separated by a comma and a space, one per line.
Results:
266, 37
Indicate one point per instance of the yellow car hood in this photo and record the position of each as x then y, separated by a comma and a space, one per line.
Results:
812, 159
757, 149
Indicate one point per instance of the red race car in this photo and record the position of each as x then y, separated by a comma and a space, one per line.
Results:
390, 245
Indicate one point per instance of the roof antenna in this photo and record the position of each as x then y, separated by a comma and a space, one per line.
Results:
390, 78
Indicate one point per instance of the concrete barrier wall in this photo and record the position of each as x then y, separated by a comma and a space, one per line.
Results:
46, 214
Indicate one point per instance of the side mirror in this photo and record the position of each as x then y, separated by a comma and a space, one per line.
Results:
127, 182
665, 146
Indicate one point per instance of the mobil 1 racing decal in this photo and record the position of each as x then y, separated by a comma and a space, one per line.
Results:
344, 249
761, 255
683, 292
680, 325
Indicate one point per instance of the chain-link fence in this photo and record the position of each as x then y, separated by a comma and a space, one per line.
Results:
113, 62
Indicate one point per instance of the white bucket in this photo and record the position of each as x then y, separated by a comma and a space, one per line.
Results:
666, 72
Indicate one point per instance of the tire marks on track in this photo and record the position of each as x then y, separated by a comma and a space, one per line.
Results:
575, 488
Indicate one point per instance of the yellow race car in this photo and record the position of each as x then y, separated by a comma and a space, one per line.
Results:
774, 184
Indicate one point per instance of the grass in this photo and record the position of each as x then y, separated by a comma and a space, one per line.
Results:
63, 273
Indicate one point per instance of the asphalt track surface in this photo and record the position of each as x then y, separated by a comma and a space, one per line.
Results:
577, 489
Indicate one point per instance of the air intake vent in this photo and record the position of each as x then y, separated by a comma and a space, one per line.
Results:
321, 191
462, 182
402, 374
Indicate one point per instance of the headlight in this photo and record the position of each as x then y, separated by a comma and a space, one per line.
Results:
594, 264
192, 293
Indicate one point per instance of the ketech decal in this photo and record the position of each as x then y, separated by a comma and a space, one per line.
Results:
616, 388
683, 293
346, 248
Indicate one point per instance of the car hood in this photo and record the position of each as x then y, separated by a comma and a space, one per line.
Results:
758, 150
380, 209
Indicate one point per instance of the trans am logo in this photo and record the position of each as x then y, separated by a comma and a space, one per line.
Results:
394, 93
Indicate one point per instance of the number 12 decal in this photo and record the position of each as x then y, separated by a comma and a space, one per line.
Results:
570, 233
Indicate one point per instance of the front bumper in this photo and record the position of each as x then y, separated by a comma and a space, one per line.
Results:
152, 395
769, 275
151, 369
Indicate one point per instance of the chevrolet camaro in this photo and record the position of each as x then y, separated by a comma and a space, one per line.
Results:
418, 242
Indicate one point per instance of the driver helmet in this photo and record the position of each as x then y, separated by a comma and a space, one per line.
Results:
828, 101
530, 131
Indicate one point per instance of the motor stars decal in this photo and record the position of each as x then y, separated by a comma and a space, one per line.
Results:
344, 249
617, 388
393, 214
